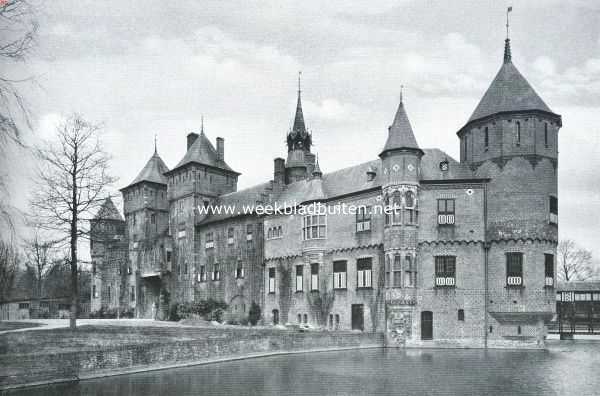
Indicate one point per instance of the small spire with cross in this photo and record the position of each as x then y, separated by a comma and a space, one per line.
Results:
507, 55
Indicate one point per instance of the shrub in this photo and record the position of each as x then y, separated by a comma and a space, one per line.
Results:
126, 313
254, 313
173, 313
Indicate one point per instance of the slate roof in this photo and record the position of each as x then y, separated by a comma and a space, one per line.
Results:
153, 171
400, 134
202, 151
579, 286
509, 91
108, 211
299, 126
338, 183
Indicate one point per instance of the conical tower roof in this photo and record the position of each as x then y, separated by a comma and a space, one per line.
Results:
508, 92
152, 172
108, 211
299, 126
401, 135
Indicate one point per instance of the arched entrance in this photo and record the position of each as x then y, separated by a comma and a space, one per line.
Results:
426, 325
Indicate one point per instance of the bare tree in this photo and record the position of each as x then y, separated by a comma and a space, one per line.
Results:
18, 32
9, 265
71, 182
574, 263
39, 256
322, 301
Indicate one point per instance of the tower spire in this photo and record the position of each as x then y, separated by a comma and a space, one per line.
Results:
299, 126
507, 55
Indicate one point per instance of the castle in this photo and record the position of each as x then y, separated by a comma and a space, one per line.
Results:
465, 256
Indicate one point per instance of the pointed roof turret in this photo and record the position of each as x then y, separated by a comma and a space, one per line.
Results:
108, 211
152, 172
203, 152
317, 170
299, 126
401, 135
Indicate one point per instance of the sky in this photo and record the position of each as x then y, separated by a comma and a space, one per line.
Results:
142, 68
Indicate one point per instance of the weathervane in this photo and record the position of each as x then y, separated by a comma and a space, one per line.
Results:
299, 77
508, 10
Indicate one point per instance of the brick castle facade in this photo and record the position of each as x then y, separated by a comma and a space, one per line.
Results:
462, 256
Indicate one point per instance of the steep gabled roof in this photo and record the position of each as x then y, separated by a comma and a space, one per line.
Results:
509, 91
203, 152
153, 171
400, 135
108, 211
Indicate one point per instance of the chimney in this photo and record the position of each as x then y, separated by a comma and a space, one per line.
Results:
279, 171
191, 138
220, 149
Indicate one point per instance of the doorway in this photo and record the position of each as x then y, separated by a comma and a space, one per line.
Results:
358, 320
275, 317
426, 325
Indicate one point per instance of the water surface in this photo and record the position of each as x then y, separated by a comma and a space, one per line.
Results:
564, 369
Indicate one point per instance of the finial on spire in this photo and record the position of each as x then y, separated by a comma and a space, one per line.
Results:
202, 124
155, 149
401, 92
507, 55
299, 82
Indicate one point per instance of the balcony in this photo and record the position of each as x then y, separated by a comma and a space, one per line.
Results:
514, 281
447, 281
445, 219
549, 282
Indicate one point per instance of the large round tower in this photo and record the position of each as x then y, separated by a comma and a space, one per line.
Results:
512, 139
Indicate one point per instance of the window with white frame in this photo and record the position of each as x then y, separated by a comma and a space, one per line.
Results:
549, 270
514, 269
445, 271
363, 219
271, 280
364, 268
446, 211
230, 236
299, 278
314, 227
274, 232
339, 274
553, 206
410, 208
202, 274
210, 242
239, 270
249, 231
314, 276
216, 275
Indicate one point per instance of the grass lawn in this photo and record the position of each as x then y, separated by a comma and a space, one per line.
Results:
16, 325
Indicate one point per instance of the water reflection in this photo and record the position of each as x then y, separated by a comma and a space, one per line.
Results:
564, 369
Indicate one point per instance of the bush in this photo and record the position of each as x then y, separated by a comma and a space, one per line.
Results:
254, 313
126, 313
173, 313
207, 309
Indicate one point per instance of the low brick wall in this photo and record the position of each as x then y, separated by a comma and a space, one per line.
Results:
27, 369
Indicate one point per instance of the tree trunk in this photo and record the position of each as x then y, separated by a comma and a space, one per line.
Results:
74, 283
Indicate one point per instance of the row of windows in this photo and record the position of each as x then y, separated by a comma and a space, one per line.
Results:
274, 232
215, 274
109, 296
209, 238
395, 267
517, 137
145, 191
203, 174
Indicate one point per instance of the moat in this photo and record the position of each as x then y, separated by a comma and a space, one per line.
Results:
566, 368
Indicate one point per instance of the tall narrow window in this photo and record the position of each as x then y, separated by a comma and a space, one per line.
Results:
445, 271
132, 294
314, 276
108, 293
461, 315
363, 219
364, 270
387, 210
216, 272
339, 274
249, 231
410, 271
546, 134
466, 145
94, 292
202, 277
518, 132
299, 278
230, 236
410, 204
387, 271
271, 280
239, 270
210, 242
486, 139
397, 271
397, 208
549, 270
514, 269
553, 206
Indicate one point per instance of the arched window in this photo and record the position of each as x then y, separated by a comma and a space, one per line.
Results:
397, 204
486, 138
546, 134
461, 315
518, 131
409, 198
